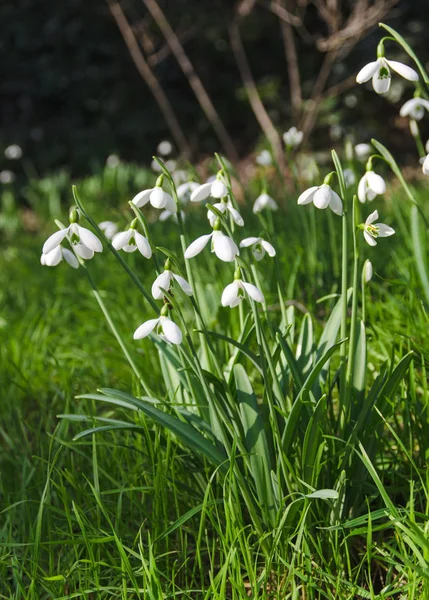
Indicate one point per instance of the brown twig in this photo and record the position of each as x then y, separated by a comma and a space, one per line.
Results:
149, 77
292, 65
193, 79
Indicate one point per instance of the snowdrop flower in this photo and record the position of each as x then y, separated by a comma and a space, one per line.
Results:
425, 166
372, 230
234, 293
7, 176
156, 196
349, 177
164, 148
55, 256
167, 330
363, 150
166, 279
216, 189
264, 158
166, 214
223, 246
414, 108
108, 228
185, 190
259, 247
82, 240
427, 147
370, 186
224, 207
131, 240
13, 152
379, 71
112, 161
323, 196
264, 201
292, 138
367, 271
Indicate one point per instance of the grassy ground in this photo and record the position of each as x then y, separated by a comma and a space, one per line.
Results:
135, 514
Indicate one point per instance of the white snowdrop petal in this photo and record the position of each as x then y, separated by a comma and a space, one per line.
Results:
183, 284
336, 204
166, 214
269, 248
408, 107
145, 329
218, 189
425, 166
371, 241
158, 198
83, 251
121, 239
143, 245
224, 247
197, 246
171, 331
322, 197
54, 257
170, 203
367, 72
230, 294
201, 192
307, 196
54, 240
403, 70
238, 219
249, 242
142, 198
254, 292
376, 182
368, 271
264, 201
384, 230
361, 192
162, 281
381, 85
70, 258
90, 239
371, 218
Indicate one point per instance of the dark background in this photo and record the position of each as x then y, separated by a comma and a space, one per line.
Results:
70, 94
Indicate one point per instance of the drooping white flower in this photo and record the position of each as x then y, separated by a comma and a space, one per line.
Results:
165, 280
264, 201
425, 166
259, 247
113, 161
165, 328
164, 148
363, 150
222, 245
379, 71
427, 147
216, 189
13, 152
372, 230
370, 186
264, 158
367, 271
166, 214
131, 240
322, 196
234, 293
82, 240
185, 190
293, 137
414, 108
108, 228
157, 197
55, 256
223, 207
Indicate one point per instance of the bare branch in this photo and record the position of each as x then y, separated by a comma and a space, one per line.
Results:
149, 77
193, 79
292, 65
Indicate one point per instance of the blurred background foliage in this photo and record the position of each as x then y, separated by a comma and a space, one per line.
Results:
71, 95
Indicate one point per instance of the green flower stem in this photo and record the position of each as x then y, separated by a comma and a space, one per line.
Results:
353, 322
415, 132
116, 333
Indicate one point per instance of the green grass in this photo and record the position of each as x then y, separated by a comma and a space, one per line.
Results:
135, 513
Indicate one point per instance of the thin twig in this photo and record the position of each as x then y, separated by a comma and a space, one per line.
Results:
149, 77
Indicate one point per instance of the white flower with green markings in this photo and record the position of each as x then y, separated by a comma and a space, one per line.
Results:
322, 196
258, 246
225, 207
215, 189
372, 231
157, 197
234, 292
82, 240
222, 245
264, 201
379, 72
370, 186
414, 108
131, 240
55, 256
166, 280
163, 326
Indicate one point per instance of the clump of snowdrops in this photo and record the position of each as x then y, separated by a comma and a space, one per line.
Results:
291, 417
